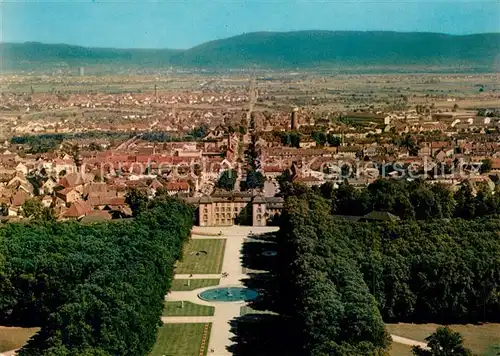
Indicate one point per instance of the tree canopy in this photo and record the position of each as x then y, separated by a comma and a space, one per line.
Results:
227, 180
444, 342
94, 289
340, 280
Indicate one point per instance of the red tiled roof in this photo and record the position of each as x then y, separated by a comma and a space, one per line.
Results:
19, 198
177, 186
77, 209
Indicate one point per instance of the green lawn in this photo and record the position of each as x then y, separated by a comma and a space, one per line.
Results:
181, 340
202, 256
245, 309
479, 338
182, 284
189, 309
13, 338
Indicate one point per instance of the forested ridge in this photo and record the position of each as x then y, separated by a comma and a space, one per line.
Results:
379, 50
341, 280
92, 289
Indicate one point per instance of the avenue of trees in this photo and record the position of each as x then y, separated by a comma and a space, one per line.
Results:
93, 289
254, 179
341, 280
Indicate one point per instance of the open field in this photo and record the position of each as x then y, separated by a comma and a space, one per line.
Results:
181, 340
400, 350
479, 338
12, 338
189, 309
202, 256
192, 284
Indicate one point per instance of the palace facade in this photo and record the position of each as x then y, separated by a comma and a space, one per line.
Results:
230, 208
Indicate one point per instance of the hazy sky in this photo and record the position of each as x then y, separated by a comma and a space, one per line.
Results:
185, 23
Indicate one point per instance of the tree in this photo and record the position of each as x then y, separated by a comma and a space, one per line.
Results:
137, 200
33, 208
465, 202
95, 147
444, 342
4, 209
227, 180
486, 165
327, 190
333, 140
252, 154
254, 180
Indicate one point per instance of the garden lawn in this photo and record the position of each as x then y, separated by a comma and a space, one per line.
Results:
244, 310
189, 309
182, 284
479, 338
202, 256
181, 340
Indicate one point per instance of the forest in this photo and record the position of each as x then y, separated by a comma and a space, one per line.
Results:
409, 200
95, 289
341, 280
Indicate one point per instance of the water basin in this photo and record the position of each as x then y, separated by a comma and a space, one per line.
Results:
228, 294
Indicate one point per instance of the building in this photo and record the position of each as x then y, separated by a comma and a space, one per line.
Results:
230, 208
295, 119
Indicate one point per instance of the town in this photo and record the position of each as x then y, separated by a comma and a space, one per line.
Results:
225, 144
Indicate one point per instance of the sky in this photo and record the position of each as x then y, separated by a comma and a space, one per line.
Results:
186, 23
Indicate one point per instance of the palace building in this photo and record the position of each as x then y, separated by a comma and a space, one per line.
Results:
230, 208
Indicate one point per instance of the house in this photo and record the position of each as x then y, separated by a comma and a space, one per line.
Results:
77, 210
370, 151
154, 186
96, 216
174, 188
19, 198
22, 168
424, 151
76, 181
47, 201
19, 181
14, 211
68, 195
6, 174
48, 186
307, 144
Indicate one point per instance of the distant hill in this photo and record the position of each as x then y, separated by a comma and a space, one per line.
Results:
302, 49
30, 55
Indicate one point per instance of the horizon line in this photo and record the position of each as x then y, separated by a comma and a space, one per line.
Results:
242, 34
